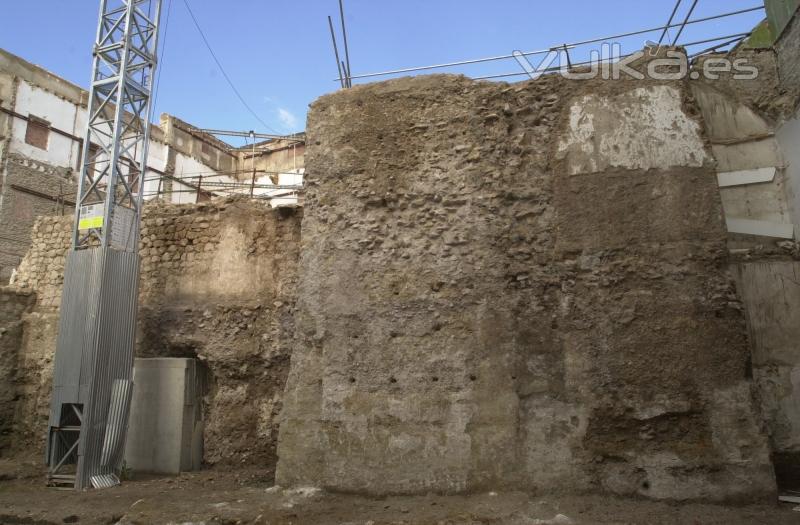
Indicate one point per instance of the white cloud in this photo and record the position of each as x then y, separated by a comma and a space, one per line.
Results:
287, 118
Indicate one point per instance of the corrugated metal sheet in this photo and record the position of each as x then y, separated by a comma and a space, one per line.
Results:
94, 353
104, 481
117, 422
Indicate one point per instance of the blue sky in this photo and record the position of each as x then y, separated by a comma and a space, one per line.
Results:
279, 55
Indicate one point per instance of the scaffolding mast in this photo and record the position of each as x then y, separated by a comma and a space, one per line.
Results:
92, 378
119, 124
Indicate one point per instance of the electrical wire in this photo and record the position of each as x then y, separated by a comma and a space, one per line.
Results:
161, 62
688, 16
224, 73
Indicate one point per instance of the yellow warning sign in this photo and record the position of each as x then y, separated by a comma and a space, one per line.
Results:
91, 217
88, 223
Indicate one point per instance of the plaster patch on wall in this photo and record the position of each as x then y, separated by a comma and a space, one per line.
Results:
649, 120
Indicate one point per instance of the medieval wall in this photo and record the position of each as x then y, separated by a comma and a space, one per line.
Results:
217, 283
13, 304
517, 286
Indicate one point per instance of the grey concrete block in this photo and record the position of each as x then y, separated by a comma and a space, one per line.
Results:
166, 424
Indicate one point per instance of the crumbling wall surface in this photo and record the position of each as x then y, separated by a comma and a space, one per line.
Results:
770, 289
517, 286
13, 305
34, 369
217, 282
41, 273
787, 49
757, 81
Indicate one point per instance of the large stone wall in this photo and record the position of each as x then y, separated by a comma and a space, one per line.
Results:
217, 283
517, 286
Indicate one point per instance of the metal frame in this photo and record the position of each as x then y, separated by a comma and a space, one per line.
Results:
295, 137
119, 107
342, 66
688, 22
93, 369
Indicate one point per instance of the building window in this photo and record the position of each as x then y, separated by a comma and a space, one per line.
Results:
38, 132
207, 151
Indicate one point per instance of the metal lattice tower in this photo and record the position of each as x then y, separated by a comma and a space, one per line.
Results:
92, 379
119, 109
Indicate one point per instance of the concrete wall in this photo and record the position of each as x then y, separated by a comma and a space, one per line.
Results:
193, 156
771, 292
217, 284
276, 157
191, 142
755, 178
788, 136
165, 432
517, 286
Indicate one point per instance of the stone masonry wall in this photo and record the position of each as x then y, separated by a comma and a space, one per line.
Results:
217, 283
517, 286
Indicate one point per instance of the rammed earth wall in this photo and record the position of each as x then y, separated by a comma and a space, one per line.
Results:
517, 286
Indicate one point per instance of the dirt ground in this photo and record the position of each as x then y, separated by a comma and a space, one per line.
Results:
248, 496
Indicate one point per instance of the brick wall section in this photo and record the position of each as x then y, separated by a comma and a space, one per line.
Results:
217, 283
20, 209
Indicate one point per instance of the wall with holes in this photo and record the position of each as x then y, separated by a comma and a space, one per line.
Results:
517, 286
